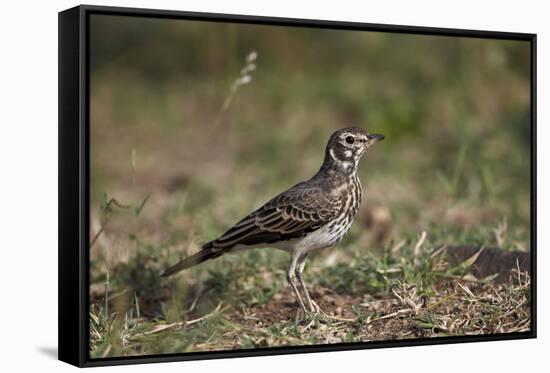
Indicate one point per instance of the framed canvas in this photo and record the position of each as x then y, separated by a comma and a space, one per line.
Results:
224, 190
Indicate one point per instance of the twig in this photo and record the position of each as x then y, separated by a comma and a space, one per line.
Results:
113, 201
467, 291
96, 236
515, 309
179, 323
407, 311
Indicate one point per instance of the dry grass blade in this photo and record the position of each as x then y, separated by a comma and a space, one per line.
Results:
406, 294
331, 317
404, 312
500, 232
418, 246
467, 290
438, 252
179, 324
398, 246
471, 260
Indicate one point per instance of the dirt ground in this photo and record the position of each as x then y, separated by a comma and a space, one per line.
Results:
460, 307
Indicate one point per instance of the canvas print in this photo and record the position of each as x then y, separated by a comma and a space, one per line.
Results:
256, 186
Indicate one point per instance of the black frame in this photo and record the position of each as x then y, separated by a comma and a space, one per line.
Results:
73, 333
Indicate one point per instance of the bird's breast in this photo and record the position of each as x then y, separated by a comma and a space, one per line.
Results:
335, 230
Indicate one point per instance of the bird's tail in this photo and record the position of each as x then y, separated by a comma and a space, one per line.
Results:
205, 254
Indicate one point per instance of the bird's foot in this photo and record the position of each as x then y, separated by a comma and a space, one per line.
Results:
328, 317
303, 316
316, 316
311, 320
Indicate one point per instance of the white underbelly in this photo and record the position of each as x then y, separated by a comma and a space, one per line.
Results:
326, 236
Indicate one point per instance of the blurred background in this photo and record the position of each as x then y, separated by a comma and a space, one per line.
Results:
195, 124
455, 112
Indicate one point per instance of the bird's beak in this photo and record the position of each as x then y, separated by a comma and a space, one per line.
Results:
374, 138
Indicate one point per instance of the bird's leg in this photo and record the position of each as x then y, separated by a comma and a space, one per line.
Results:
299, 270
290, 276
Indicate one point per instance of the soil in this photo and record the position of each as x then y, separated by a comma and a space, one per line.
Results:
492, 260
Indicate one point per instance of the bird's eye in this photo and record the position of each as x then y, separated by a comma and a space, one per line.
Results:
350, 139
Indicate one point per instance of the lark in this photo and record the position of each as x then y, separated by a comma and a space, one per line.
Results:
310, 216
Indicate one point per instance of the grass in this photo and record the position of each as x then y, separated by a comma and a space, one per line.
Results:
183, 146
408, 292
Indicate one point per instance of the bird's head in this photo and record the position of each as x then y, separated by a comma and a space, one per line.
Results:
346, 146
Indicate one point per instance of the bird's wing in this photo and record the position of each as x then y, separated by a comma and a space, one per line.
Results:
291, 214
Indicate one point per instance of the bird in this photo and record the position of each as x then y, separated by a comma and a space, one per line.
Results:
311, 215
